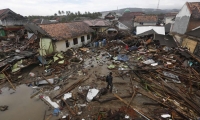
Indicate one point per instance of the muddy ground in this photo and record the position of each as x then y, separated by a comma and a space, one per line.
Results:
22, 107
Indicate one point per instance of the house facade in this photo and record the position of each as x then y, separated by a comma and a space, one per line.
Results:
188, 18
145, 20
10, 18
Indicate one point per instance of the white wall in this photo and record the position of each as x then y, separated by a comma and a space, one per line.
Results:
61, 45
182, 20
144, 24
158, 29
168, 20
184, 12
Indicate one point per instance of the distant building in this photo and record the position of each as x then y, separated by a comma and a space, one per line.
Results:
145, 20
188, 18
41, 21
10, 18
99, 25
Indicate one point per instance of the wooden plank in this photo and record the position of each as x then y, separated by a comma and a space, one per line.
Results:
68, 107
139, 112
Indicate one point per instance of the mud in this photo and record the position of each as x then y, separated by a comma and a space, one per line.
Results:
21, 107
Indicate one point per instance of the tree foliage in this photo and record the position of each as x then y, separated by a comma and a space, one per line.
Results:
68, 16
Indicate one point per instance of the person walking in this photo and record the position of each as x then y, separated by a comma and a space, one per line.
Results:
109, 80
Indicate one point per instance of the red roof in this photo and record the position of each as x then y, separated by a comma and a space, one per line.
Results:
194, 9
130, 15
97, 22
62, 31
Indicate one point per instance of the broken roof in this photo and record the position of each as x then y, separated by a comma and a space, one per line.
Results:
194, 32
165, 40
62, 31
97, 22
31, 27
194, 8
146, 18
149, 32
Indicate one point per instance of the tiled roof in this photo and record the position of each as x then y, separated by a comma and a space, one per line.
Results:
170, 14
61, 31
194, 9
146, 18
130, 15
97, 22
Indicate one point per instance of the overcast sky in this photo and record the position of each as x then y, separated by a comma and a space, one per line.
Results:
49, 7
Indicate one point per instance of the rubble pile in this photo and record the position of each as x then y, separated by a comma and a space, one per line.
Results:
149, 81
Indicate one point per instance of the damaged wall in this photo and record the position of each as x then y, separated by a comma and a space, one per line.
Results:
61, 45
46, 46
182, 20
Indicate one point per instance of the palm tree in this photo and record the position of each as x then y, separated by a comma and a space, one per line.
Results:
63, 12
55, 14
59, 12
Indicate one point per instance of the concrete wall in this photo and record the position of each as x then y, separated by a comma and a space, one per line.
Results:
144, 24
168, 20
61, 45
182, 20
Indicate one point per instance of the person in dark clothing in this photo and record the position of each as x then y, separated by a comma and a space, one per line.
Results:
109, 79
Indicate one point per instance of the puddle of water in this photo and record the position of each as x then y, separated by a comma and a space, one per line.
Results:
21, 107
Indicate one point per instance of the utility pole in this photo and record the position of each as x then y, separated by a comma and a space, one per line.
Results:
158, 4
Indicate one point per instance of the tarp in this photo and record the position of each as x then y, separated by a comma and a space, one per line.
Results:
122, 57
157, 29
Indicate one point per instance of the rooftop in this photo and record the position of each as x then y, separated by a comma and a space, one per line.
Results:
97, 22
61, 31
146, 18
130, 15
194, 9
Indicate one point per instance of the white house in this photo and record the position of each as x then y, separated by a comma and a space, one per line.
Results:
187, 18
66, 35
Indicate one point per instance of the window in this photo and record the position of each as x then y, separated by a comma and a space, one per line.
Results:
82, 39
88, 37
75, 40
67, 43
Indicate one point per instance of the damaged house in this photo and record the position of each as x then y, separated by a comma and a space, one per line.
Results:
192, 41
187, 19
99, 25
62, 36
10, 18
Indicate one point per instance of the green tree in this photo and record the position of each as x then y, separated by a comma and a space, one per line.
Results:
55, 14
63, 12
